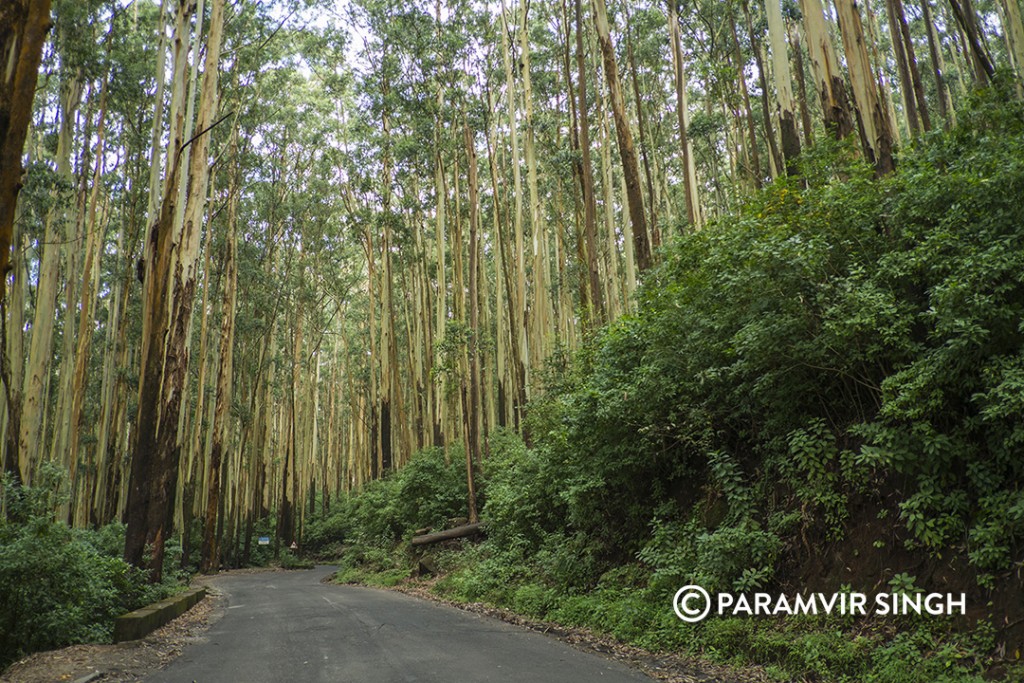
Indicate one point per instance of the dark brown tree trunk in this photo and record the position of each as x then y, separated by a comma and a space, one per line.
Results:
170, 285
801, 84
627, 153
23, 28
967, 19
463, 531
13, 398
209, 559
915, 72
285, 523
766, 110
941, 89
755, 155
642, 130
591, 286
154, 467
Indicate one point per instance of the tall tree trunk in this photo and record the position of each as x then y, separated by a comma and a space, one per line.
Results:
793, 33
963, 12
877, 126
391, 412
93, 252
540, 309
596, 299
693, 213
627, 153
194, 466
521, 363
442, 286
472, 414
507, 337
37, 376
655, 234
778, 164
286, 507
210, 558
885, 89
915, 72
23, 28
1014, 28
835, 102
783, 85
754, 162
151, 484
938, 67
903, 65
170, 288
107, 461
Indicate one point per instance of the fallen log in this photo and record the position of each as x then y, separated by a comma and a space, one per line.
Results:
448, 534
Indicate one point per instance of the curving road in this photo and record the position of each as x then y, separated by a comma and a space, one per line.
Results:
288, 626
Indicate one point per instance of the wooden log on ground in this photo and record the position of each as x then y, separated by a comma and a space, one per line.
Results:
448, 534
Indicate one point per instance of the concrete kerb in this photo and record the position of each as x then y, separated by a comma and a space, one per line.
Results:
144, 621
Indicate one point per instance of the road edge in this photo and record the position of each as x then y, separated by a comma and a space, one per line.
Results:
666, 667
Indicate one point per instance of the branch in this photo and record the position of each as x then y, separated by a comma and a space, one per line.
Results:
203, 132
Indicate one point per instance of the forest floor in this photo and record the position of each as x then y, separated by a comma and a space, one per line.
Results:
123, 662
666, 667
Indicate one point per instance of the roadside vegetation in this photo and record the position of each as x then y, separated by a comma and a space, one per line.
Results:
821, 391
61, 586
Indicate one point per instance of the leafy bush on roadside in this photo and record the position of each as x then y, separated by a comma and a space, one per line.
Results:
60, 586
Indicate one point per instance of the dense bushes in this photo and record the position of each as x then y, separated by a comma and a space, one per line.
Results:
60, 586
856, 334
427, 492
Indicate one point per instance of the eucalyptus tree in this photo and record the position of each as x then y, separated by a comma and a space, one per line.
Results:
170, 281
105, 425
783, 85
689, 169
23, 28
72, 59
828, 82
627, 152
877, 137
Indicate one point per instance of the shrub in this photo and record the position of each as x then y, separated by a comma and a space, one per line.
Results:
60, 586
58, 589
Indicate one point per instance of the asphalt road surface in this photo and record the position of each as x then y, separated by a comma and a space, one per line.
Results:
289, 627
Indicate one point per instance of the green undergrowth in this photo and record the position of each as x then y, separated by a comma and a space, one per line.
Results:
624, 605
832, 376
287, 560
62, 586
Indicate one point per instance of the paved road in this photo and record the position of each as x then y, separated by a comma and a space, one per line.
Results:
285, 627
